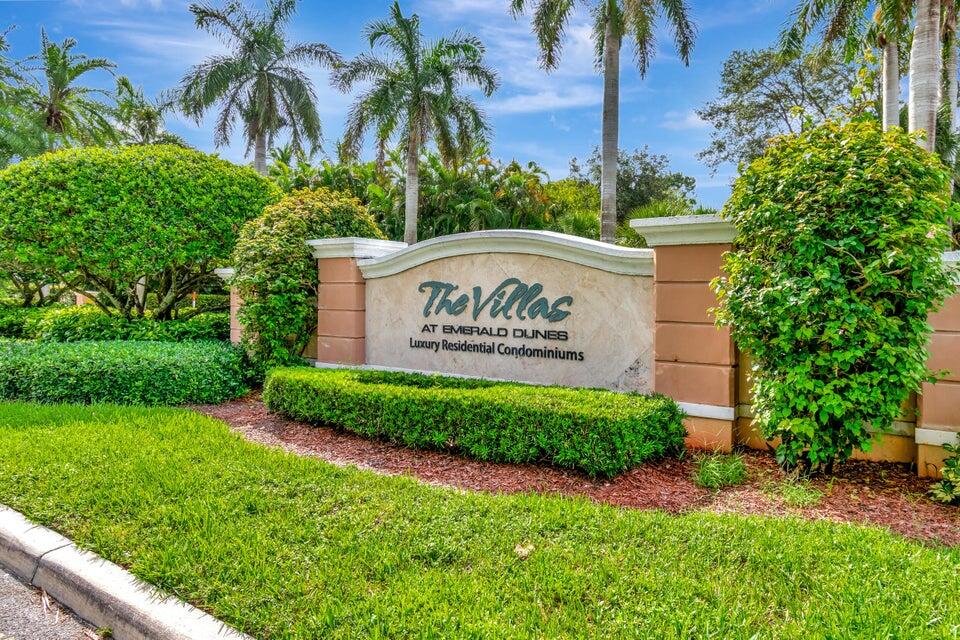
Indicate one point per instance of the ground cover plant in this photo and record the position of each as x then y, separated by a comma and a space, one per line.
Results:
837, 265
125, 372
287, 547
716, 471
599, 432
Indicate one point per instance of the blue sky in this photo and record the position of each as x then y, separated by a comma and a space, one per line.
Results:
536, 116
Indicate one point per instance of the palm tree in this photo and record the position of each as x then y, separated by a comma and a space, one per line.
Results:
141, 120
67, 111
614, 20
415, 93
925, 72
260, 82
845, 23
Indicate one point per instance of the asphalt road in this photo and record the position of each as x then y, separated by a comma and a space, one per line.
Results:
23, 616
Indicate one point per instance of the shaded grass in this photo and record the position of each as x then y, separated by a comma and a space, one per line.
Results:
797, 493
716, 471
288, 547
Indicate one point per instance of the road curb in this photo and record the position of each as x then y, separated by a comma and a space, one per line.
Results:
104, 594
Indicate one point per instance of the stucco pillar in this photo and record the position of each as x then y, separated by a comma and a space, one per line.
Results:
695, 361
236, 330
341, 296
938, 422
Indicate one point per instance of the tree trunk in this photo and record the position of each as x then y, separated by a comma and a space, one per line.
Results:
925, 71
891, 84
260, 154
412, 191
609, 147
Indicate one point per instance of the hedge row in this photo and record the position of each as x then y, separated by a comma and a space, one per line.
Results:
72, 324
599, 432
122, 372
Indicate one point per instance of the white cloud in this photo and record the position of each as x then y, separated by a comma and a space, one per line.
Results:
683, 121
552, 99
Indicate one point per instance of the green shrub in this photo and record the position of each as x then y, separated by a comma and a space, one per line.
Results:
20, 322
276, 274
837, 265
719, 471
103, 219
148, 373
73, 324
948, 489
600, 432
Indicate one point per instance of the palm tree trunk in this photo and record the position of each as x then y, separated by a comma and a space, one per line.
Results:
925, 71
609, 146
260, 154
891, 84
412, 191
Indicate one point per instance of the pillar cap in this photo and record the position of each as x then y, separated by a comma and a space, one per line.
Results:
689, 229
952, 260
225, 273
353, 247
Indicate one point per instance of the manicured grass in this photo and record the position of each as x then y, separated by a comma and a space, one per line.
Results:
287, 547
717, 471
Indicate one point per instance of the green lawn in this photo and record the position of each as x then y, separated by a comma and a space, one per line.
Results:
286, 547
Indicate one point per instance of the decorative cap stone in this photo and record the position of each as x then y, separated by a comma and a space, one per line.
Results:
952, 260
353, 247
225, 273
590, 253
690, 229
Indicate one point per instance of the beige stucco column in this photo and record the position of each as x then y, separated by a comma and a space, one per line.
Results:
695, 362
236, 331
938, 422
341, 296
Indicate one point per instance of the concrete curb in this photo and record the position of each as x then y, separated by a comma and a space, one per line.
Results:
98, 591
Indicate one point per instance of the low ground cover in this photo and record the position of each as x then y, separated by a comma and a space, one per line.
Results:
125, 372
289, 547
600, 432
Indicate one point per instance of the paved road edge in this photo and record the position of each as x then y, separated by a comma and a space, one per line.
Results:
100, 592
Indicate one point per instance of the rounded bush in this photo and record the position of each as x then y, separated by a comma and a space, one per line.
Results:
105, 218
146, 373
276, 274
838, 262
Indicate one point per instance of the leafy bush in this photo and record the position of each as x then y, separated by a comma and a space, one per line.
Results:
718, 471
72, 324
276, 274
948, 489
149, 373
837, 265
102, 219
600, 432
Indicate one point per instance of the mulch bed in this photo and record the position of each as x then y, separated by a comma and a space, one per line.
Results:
884, 494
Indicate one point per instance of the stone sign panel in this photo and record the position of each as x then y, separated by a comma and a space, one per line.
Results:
527, 306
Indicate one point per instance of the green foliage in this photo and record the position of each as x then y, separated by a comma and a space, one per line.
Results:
719, 471
19, 322
73, 324
948, 489
149, 373
102, 219
276, 274
642, 178
837, 266
287, 546
600, 432
795, 492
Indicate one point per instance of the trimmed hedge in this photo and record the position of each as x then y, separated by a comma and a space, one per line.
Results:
122, 372
73, 324
599, 432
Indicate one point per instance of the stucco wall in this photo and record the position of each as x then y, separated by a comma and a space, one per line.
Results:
610, 322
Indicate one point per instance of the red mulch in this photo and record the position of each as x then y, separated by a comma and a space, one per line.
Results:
884, 494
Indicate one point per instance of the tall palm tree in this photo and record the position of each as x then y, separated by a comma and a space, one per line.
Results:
416, 93
846, 22
260, 82
67, 111
925, 68
141, 120
613, 21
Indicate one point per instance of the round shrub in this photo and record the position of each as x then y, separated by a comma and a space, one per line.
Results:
276, 274
147, 373
837, 264
102, 219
